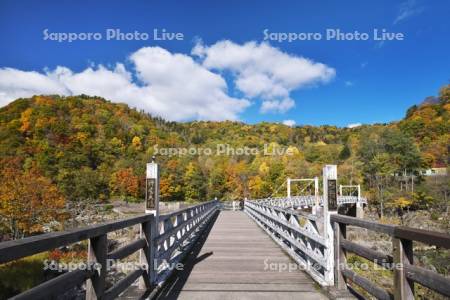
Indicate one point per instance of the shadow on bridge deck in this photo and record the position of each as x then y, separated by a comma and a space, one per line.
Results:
230, 261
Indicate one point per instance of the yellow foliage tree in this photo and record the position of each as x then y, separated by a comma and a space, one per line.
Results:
236, 180
25, 119
402, 202
255, 185
136, 142
263, 169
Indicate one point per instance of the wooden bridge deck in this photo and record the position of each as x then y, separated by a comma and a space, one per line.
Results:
229, 263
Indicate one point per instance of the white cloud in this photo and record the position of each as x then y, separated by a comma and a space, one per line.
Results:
279, 106
16, 84
186, 86
173, 86
177, 87
353, 125
349, 83
407, 9
264, 71
290, 123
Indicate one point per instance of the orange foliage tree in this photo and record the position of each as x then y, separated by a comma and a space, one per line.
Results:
124, 184
28, 200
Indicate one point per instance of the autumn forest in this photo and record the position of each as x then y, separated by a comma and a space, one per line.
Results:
58, 151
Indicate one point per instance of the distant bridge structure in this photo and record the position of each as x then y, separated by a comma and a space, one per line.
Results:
298, 202
229, 253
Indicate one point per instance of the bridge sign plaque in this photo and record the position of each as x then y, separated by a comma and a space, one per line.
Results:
152, 188
332, 194
151, 194
330, 187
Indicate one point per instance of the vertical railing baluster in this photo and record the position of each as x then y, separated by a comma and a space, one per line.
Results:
97, 253
179, 220
166, 228
153, 270
340, 259
403, 255
144, 255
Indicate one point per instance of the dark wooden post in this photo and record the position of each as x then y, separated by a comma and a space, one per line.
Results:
148, 254
340, 259
97, 252
153, 249
403, 255
144, 255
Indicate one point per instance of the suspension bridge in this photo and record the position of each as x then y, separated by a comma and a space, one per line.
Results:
241, 250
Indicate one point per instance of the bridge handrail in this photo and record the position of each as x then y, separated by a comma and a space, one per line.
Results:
15, 249
405, 272
297, 233
177, 232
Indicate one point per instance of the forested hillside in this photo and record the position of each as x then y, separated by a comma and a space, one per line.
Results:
56, 150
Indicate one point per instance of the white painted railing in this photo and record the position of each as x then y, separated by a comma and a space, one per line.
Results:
308, 201
300, 234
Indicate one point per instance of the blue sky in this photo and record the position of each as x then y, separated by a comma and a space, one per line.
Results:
372, 81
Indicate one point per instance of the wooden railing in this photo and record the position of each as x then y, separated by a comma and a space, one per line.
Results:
406, 273
168, 241
300, 234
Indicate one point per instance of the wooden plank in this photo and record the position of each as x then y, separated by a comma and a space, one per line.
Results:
123, 284
430, 279
16, 249
425, 236
367, 285
97, 253
236, 287
127, 249
372, 255
55, 286
403, 256
383, 228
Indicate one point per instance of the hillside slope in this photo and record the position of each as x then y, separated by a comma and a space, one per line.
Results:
91, 148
